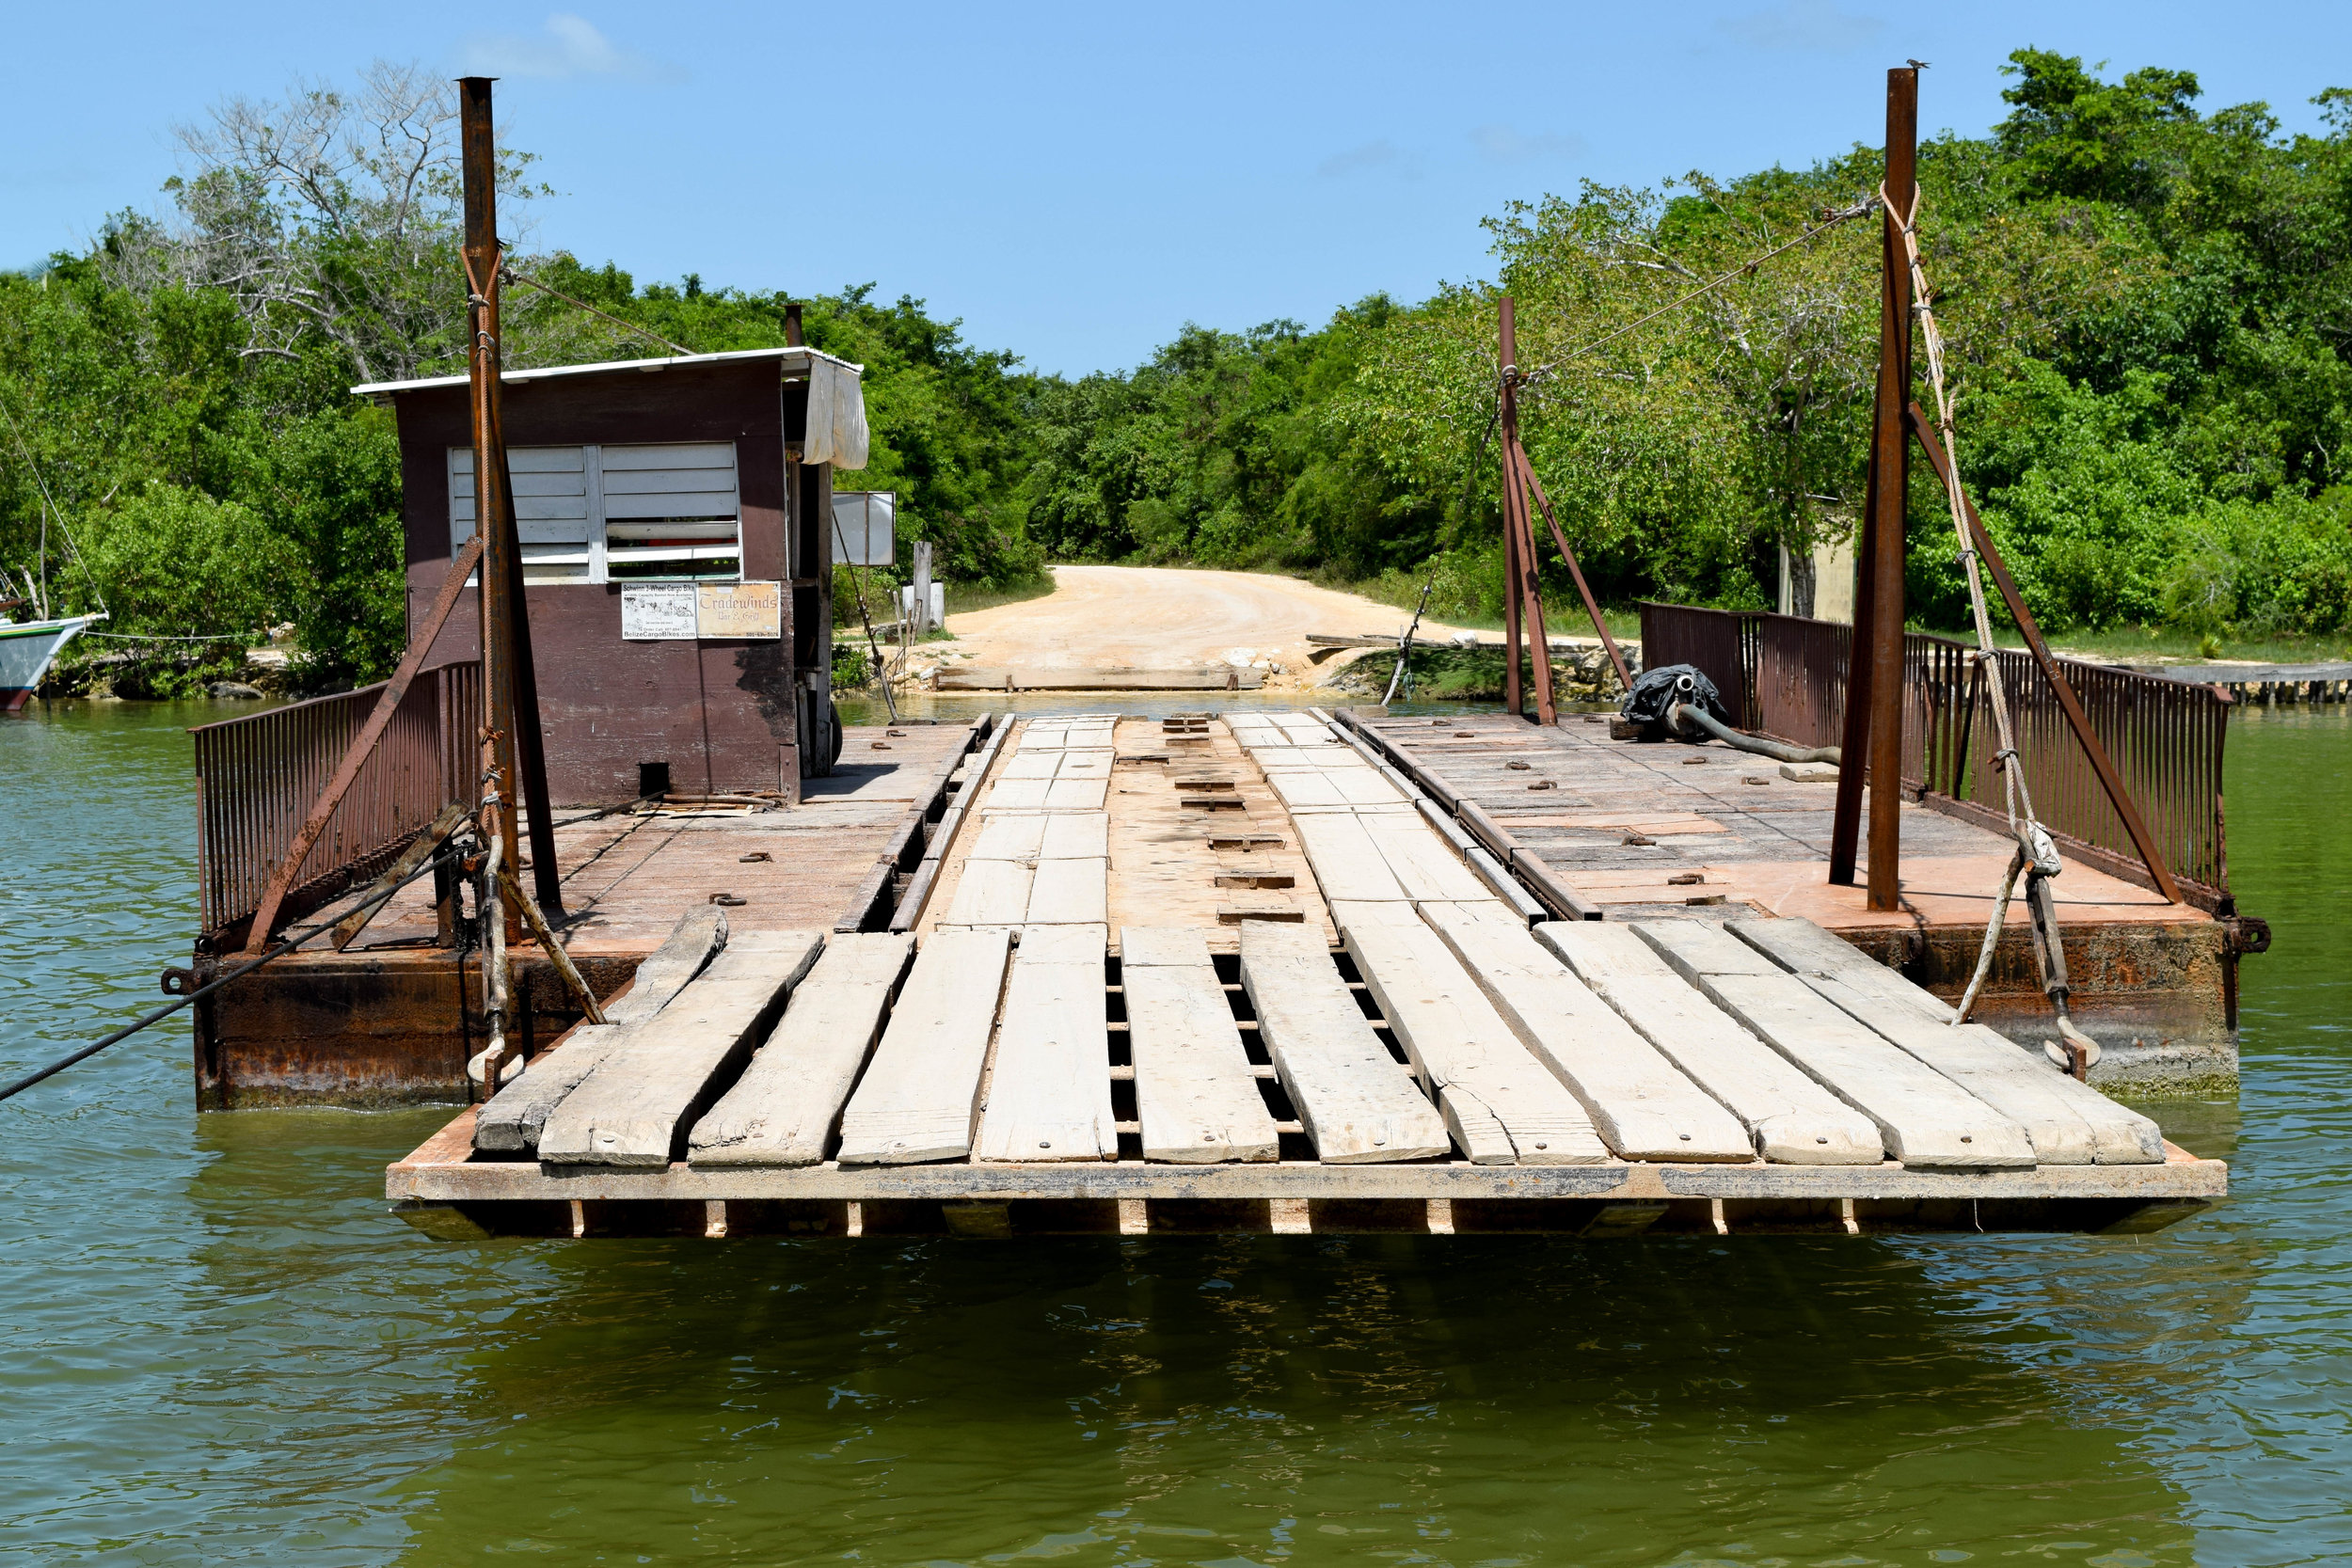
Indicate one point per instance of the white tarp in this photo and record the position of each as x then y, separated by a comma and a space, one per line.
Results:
836, 416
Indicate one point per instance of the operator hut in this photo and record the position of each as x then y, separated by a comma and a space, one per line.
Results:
676, 558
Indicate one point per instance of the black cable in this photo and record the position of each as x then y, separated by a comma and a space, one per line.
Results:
285, 946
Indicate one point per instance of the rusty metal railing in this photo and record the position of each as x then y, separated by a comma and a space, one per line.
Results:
257, 778
1785, 675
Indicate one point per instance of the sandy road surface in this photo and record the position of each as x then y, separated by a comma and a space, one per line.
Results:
1164, 618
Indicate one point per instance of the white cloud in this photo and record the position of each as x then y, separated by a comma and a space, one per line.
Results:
1801, 25
567, 48
1383, 155
1505, 144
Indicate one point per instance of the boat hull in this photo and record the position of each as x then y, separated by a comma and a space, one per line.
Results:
26, 651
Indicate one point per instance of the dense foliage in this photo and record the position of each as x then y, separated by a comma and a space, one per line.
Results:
2148, 308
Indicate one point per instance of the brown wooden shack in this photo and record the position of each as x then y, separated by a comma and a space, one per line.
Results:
677, 558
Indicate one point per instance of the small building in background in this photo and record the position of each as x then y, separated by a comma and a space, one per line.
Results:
677, 558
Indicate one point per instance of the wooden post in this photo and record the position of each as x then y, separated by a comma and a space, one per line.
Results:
1523, 527
1592, 606
922, 585
1511, 699
1522, 590
1878, 644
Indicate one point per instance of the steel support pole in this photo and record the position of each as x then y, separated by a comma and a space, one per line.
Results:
479, 148
1874, 710
1891, 445
510, 681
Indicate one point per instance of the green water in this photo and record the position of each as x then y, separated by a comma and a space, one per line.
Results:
217, 1346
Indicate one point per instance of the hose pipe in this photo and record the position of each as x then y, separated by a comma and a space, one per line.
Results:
1687, 716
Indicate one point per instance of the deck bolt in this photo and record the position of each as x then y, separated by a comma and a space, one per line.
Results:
1543, 1146
1686, 1137
1967, 1140
1043, 1144
1820, 1140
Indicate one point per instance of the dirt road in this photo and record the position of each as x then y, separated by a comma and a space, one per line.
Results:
1165, 617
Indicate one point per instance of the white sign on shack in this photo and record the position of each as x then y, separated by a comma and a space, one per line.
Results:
865, 528
686, 611
658, 611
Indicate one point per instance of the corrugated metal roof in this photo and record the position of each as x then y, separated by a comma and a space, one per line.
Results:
787, 358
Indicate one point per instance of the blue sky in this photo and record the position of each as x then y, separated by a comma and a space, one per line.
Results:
1077, 181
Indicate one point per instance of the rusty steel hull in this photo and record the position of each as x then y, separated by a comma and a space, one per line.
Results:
371, 1030
2155, 995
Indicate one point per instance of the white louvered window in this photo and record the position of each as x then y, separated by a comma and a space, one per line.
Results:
601, 513
672, 511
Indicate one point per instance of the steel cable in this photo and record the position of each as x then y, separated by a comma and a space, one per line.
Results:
283, 947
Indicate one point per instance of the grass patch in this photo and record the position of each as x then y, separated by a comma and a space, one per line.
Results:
2147, 645
1444, 674
1561, 617
963, 600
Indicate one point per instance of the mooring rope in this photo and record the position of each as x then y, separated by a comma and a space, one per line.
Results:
2036, 855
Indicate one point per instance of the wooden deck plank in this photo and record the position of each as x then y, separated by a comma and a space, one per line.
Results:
1297, 787
783, 1109
1364, 786
1009, 838
1080, 794
1480, 1070
1640, 1103
1358, 1104
991, 892
1807, 949
2179, 1179
1197, 1097
1793, 1119
1348, 866
1164, 862
635, 1107
1423, 864
920, 1098
1070, 892
510, 1122
1016, 795
1075, 836
2070, 1123
1049, 1086
1029, 763
1924, 1118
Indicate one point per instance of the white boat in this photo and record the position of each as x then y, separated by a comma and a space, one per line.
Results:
26, 650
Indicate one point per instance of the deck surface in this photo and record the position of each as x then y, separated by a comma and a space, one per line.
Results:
1075, 1043
628, 876
1574, 796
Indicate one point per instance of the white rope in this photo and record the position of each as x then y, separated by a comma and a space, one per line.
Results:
2036, 854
